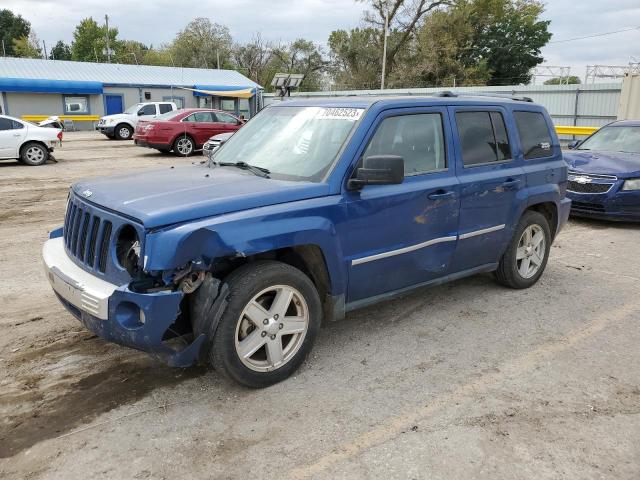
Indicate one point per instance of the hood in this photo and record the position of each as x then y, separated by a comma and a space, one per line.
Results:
173, 195
116, 116
620, 164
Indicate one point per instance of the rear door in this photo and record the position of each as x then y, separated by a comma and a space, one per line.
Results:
492, 183
403, 235
12, 135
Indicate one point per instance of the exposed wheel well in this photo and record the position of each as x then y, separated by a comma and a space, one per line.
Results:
29, 142
307, 258
550, 211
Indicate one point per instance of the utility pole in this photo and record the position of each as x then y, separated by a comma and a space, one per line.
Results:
384, 48
218, 56
44, 46
4, 52
106, 21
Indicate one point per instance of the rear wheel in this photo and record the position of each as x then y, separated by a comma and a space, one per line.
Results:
269, 326
34, 154
526, 257
123, 132
184, 146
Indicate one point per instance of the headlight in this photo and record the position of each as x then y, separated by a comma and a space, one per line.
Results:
631, 184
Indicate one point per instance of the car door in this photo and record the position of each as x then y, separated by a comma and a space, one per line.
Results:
12, 135
203, 127
226, 122
491, 183
403, 235
147, 112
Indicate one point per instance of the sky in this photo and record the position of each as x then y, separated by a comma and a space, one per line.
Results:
157, 22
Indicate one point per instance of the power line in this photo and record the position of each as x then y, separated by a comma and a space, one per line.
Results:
596, 35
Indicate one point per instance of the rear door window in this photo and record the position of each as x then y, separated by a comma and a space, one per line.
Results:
226, 118
165, 107
534, 134
483, 138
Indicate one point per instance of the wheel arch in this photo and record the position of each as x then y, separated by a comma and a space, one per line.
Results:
550, 211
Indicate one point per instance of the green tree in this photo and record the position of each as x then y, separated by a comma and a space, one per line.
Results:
203, 44
90, 41
27, 47
254, 59
300, 56
60, 51
12, 27
570, 80
355, 58
130, 51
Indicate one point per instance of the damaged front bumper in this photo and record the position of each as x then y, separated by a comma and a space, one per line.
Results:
115, 313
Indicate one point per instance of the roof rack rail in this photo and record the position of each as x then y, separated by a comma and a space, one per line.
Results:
448, 93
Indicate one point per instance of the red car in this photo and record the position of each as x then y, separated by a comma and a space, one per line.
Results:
184, 131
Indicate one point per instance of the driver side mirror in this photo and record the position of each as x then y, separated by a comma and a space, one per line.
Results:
379, 170
573, 145
140, 113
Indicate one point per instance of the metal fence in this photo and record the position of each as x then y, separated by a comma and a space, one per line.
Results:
569, 105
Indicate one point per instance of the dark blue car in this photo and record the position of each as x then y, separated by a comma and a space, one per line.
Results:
311, 210
604, 173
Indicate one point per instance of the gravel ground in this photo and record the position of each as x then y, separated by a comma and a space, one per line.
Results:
467, 380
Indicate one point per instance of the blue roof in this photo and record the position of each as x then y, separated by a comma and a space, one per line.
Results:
48, 86
118, 74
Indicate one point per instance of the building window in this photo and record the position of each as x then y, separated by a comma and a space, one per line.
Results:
75, 105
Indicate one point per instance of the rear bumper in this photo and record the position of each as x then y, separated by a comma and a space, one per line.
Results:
115, 313
158, 146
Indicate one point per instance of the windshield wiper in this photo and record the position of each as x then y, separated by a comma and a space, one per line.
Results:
259, 171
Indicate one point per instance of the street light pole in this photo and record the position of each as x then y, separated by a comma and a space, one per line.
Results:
384, 48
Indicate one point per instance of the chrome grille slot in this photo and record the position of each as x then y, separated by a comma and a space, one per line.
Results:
82, 240
75, 231
104, 246
93, 237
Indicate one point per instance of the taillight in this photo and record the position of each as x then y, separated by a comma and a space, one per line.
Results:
60, 135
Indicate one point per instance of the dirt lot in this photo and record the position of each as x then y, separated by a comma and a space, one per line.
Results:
467, 380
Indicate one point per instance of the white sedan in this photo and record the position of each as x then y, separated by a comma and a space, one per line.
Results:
26, 141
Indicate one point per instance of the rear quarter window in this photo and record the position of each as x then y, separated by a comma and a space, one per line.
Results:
535, 137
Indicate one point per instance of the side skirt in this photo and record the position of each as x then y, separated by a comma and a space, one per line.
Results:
365, 302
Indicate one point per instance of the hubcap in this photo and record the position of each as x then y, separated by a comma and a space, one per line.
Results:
35, 154
531, 251
124, 132
271, 328
185, 146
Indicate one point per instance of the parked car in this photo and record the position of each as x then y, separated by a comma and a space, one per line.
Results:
313, 209
185, 131
26, 141
122, 125
214, 143
604, 173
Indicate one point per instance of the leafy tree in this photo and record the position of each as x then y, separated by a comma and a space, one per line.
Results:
27, 47
355, 58
300, 56
131, 52
89, 41
201, 44
509, 36
254, 60
60, 51
570, 80
12, 27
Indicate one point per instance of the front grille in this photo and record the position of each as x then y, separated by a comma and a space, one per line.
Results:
587, 207
87, 236
588, 187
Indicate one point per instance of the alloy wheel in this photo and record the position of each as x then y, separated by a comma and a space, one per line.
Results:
531, 251
35, 154
271, 328
185, 146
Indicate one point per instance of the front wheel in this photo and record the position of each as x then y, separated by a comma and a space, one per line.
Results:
269, 326
526, 257
123, 132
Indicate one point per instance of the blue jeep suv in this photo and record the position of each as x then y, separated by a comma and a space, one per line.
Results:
313, 209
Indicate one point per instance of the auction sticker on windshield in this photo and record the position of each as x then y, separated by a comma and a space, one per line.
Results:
341, 113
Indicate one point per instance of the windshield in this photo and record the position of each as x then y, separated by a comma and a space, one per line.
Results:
294, 143
133, 108
614, 139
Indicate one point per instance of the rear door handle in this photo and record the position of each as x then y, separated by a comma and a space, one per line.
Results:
440, 195
511, 184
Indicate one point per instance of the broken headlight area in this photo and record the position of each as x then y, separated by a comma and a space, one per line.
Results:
128, 250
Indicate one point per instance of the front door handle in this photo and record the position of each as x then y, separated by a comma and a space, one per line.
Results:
511, 184
440, 195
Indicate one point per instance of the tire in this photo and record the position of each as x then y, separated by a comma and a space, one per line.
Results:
123, 131
183, 146
521, 266
34, 154
253, 290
